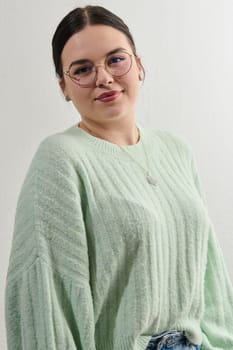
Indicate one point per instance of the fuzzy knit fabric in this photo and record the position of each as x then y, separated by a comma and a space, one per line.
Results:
102, 260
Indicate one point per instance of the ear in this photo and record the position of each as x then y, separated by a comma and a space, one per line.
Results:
140, 68
62, 85
63, 89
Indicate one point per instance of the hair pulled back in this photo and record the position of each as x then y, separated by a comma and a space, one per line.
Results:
78, 19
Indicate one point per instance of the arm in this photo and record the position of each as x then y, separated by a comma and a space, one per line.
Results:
48, 297
217, 320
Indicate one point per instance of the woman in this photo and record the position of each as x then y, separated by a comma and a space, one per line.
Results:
113, 248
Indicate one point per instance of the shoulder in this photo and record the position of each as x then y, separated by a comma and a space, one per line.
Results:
55, 160
172, 143
60, 144
58, 149
171, 139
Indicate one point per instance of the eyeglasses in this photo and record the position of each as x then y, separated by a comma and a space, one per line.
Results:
83, 72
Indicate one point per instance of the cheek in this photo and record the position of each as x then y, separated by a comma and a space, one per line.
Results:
78, 94
82, 100
133, 81
133, 76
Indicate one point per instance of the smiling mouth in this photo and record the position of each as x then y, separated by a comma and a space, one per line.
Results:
109, 96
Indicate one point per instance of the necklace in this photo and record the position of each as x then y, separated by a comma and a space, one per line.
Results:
150, 179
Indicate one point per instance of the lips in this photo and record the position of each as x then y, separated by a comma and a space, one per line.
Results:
108, 96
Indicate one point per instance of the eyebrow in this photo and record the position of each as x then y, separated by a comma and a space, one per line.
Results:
85, 60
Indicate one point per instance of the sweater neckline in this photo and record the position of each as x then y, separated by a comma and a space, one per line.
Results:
106, 146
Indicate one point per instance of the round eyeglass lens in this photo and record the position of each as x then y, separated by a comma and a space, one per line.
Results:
117, 64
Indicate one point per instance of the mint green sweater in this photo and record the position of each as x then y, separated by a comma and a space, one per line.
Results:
102, 260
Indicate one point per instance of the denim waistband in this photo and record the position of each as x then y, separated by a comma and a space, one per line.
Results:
168, 338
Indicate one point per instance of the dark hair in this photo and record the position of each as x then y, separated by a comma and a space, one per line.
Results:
78, 19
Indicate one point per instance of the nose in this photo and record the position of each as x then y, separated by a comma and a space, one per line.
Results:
103, 77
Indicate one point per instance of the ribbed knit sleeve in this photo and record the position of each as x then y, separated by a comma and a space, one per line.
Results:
217, 320
48, 296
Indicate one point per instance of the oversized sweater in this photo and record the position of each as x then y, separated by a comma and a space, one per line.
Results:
101, 259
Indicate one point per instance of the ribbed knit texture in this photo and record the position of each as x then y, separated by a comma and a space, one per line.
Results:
102, 260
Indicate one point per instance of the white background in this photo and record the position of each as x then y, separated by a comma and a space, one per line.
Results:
187, 50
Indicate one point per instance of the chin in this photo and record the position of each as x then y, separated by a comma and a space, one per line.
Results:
114, 113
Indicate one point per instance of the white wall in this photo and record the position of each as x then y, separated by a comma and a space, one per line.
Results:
187, 49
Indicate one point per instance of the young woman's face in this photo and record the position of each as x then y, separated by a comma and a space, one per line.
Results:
93, 44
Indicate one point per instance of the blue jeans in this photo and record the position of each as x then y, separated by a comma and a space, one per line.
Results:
171, 340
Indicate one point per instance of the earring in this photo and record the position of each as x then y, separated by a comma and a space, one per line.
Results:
67, 98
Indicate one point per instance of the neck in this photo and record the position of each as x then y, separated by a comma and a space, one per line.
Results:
129, 136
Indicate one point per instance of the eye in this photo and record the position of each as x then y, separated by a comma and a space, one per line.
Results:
114, 60
81, 70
